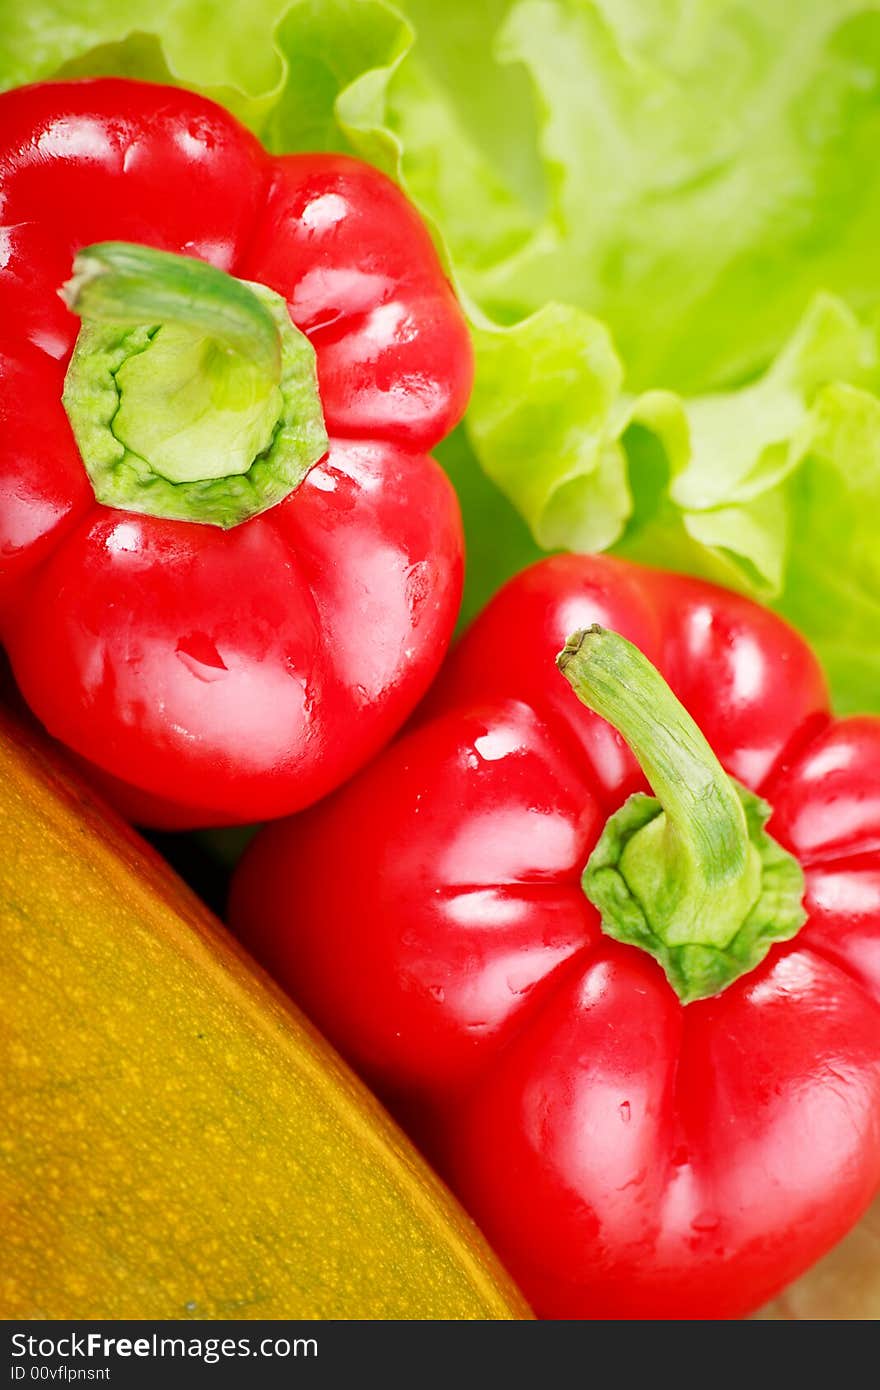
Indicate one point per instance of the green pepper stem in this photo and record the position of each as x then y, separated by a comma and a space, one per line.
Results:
191, 395
691, 876
706, 841
122, 282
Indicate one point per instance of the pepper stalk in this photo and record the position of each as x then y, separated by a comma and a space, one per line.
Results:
190, 393
690, 874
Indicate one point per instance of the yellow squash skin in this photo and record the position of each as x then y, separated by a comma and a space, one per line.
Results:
175, 1141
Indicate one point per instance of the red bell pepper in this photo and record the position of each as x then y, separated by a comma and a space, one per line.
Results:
670, 1117
209, 660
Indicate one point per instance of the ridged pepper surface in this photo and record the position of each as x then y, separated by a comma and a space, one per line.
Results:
640, 1035
212, 491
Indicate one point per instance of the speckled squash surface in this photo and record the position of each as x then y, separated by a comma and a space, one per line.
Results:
175, 1141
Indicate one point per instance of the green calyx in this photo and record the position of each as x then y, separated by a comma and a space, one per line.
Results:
690, 875
191, 395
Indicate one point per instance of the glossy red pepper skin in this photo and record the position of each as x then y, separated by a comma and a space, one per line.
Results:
629, 1157
222, 676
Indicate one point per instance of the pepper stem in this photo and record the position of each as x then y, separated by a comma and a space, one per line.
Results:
690, 874
123, 282
191, 394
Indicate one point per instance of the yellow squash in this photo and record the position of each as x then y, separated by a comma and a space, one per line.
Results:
175, 1141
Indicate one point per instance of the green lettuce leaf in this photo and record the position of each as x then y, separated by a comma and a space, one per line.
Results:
711, 196
663, 217
710, 167
832, 588
560, 466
